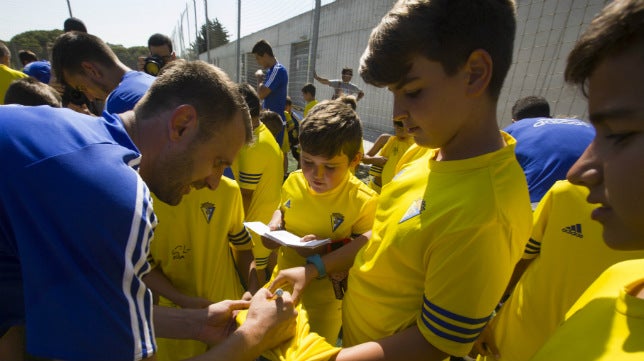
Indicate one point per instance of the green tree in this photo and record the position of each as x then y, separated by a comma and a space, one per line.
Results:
38, 41
218, 36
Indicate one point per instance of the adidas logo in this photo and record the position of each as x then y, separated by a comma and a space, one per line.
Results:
574, 230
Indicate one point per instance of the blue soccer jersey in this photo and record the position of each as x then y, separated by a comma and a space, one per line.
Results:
130, 90
75, 226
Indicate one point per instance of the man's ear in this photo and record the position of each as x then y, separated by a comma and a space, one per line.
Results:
91, 70
182, 122
479, 68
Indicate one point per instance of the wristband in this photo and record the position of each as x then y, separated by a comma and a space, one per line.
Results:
316, 260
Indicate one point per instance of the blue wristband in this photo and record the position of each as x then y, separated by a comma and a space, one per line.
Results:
316, 260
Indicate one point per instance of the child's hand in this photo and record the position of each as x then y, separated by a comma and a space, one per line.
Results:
306, 251
298, 277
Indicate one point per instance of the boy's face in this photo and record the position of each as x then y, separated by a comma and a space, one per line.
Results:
307, 97
428, 102
324, 174
613, 166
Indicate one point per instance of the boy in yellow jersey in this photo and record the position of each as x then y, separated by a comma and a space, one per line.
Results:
325, 200
259, 172
564, 256
607, 321
385, 154
451, 226
201, 252
308, 93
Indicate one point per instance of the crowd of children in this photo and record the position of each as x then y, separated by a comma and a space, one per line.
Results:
468, 242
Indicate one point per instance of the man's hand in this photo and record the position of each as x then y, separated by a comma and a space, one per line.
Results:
220, 321
270, 320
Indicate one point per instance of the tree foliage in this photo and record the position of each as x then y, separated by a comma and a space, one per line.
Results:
218, 36
41, 42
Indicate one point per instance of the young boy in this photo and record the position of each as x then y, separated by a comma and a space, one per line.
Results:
207, 225
325, 200
258, 169
308, 93
606, 322
450, 227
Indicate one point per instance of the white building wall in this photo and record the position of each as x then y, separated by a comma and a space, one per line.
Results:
546, 32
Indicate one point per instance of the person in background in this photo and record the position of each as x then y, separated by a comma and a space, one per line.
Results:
546, 147
161, 54
342, 86
308, 94
7, 75
87, 64
259, 174
29, 91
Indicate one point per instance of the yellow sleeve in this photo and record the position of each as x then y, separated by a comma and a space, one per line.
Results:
304, 346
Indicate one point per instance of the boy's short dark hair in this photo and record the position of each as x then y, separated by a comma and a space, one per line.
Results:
288, 100
159, 40
309, 88
272, 121
262, 47
532, 106
31, 92
617, 28
331, 128
347, 70
445, 31
252, 99
26, 56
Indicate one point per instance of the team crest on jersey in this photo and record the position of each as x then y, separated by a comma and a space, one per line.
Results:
287, 204
208, 209
336, 220
415, 209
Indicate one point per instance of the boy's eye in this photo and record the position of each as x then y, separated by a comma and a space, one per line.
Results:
412, 93
619, 138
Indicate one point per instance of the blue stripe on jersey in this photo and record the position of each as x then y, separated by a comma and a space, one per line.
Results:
430, 317
136, 293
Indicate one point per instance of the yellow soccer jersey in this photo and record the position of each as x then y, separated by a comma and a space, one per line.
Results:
570, 254
192, 246
340, 213
309, 105
606, 323
445, 233
393, 150
260, 167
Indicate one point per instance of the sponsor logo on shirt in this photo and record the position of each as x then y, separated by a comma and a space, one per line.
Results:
415, 208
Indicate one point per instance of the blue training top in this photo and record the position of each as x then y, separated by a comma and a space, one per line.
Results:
130, 90
75, 227
547, 148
